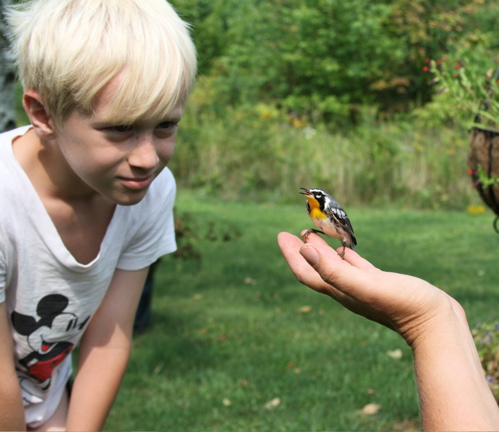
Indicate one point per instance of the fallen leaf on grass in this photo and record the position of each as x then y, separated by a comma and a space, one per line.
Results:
407, 426
305, 309
395, 354
274, 403
371, 409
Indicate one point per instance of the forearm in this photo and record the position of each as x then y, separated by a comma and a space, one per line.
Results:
104, 352
95, 388
11, 407
453, 392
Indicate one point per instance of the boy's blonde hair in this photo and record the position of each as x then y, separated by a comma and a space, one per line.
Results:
68, 50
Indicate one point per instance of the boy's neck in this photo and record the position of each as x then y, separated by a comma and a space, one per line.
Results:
81, 219
44, 165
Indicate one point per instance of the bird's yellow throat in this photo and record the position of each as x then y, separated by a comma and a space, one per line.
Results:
315, 210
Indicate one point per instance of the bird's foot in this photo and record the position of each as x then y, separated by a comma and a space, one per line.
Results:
311, 230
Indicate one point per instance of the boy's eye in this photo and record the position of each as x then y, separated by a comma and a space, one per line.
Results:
121, 128
166, 125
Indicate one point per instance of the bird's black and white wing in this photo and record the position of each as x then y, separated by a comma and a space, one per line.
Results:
335, 211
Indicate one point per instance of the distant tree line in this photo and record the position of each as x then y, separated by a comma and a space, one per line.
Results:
325, 57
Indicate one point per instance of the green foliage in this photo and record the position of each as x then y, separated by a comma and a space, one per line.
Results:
232, 335
261, 153
300, 93
323, 58
209, 21
189, 232
467, 83
483, 178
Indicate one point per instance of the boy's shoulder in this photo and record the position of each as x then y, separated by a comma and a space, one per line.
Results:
159, 198
13, 133
13, 180
7, 160
165, 180
6, 139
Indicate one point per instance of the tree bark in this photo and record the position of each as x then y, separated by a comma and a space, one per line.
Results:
7, 76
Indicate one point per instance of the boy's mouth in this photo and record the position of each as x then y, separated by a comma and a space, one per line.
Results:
137, 183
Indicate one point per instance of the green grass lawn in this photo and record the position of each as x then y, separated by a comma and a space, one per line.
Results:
237, 344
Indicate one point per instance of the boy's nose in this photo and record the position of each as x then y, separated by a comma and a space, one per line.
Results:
144, 154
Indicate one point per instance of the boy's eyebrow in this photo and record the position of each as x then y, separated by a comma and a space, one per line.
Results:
108, 124
173, 117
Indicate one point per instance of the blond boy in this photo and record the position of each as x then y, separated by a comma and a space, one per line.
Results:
85, 198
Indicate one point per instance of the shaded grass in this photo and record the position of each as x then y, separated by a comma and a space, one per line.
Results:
235, 331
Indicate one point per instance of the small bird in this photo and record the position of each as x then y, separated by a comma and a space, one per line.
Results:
327, 215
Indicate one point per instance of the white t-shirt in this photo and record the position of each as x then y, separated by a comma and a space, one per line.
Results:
50, 296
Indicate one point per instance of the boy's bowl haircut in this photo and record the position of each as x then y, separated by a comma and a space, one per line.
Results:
91, 42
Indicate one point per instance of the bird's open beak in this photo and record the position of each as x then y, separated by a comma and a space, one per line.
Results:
306, 192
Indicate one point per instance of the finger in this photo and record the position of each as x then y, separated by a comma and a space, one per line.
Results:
322, 269
339, 273
333, 269
289, 244
290, 247
313, 237
356, 260
311, 254
350, 255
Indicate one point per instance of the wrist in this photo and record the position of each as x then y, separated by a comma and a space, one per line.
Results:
453, 392
446, 317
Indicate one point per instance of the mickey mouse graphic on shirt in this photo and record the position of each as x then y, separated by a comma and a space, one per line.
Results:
48, 336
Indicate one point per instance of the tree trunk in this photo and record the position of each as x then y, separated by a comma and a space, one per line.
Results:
7, 77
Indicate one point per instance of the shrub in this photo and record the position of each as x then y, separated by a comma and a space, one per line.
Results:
486, 336
260, 152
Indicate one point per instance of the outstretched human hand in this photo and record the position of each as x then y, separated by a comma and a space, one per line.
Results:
453, 392
400, 302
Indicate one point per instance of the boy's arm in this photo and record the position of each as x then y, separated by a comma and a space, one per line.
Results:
11, 406
104, 352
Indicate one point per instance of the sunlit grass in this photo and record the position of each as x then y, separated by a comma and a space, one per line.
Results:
236, 344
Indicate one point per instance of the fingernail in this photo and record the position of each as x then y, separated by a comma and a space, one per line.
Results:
310, 254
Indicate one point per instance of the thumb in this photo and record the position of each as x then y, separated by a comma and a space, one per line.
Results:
310, 254
324, 260
343, 275
334, 271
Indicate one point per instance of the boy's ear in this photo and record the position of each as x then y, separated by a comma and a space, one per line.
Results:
38, 115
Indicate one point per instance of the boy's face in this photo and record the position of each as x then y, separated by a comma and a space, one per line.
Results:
116, 161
